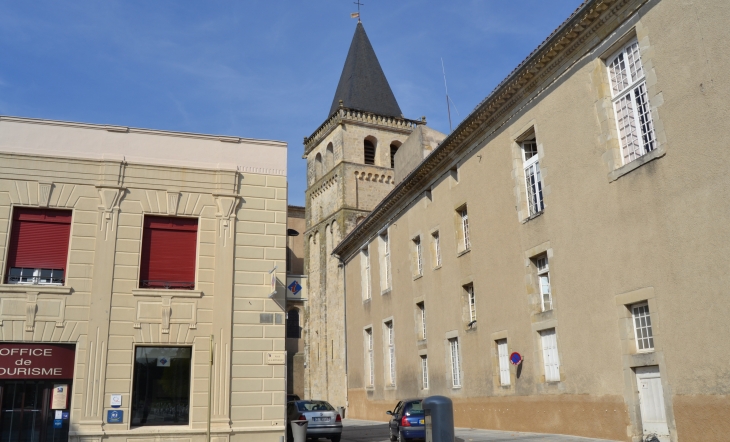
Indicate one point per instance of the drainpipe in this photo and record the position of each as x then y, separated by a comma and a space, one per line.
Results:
344, 292
210, 382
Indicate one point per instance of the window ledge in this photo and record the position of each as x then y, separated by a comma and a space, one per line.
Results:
437, 267
533, 216
642, 359
168, 292
418, 277
366, 301
40, 288
626, 168
463, 252
385, 292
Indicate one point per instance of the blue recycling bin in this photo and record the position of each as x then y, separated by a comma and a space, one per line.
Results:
439, 411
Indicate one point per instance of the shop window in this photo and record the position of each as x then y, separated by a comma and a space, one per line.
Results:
161, 386
169, 250
38, 247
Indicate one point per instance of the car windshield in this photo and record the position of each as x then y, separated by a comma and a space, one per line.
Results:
414, 408
314, 406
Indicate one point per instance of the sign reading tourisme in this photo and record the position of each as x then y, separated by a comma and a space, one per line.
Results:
36, 361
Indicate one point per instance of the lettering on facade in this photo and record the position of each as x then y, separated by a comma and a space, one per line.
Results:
36, 361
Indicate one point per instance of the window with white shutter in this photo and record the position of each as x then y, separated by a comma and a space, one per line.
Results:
533, 180
422, 313
550, 358
424, 372
455, 362
503, 354
384, 261
418, 255
543, 276
631, 102
436, 249
390, 339
365, 273
642, 327
370, 359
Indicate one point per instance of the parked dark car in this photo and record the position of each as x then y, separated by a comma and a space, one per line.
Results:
407, 421
324, 420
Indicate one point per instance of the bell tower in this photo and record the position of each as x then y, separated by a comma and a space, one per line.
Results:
350, 169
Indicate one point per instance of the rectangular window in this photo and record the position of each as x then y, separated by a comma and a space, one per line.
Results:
424, 372
455, 363
365, 273
38, 246
385, 262
631, 102
471, 299
370, 358
418, 253
169, 252
543, 275
391, 352
642, 327
422, 313
465, 227
550, 358
503, 354
533, 181
436, 249
161, 386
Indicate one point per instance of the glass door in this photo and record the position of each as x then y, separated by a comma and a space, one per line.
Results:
26, 415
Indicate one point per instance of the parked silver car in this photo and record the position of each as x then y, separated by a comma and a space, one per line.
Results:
324, 420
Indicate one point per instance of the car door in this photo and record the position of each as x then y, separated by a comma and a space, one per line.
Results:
393, 424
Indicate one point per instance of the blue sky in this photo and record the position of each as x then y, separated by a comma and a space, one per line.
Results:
258, 69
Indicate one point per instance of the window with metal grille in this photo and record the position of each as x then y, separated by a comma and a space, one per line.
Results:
471, 299
370, 360
385, 263
424, 372
436, 249
503, 355
533, 181
543, 276
38, 246
463, 214
418, 255
369, 150
391, 352
631, 102
365, 273
161, 386
169, 251
642, 327
550, 359
455, 363
422, 313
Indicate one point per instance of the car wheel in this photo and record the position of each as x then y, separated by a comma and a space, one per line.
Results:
335, 439
392, 438
401, 438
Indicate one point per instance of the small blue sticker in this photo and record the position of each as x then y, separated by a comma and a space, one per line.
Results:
115, 416
57, 423
65, 415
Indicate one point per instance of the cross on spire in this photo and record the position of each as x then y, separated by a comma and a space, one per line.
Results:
358, 9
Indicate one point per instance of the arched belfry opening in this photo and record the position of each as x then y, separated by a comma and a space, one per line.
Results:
329, 157
369, 150
318, 166
393, 150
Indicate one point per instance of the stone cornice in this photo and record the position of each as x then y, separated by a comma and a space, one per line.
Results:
556, 55
346, 115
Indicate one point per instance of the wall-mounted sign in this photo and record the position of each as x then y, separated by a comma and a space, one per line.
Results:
57, 423
115, 401
515, 358
115, 416
59, 397
36, 361
276, 358
296, 288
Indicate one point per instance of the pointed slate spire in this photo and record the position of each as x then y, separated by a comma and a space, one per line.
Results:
363, 85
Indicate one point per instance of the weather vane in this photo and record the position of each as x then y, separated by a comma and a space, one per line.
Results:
357, 14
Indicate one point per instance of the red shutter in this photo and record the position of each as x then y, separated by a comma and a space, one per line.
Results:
169, 247
39, 238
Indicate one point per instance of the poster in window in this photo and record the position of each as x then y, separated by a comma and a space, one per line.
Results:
59, 398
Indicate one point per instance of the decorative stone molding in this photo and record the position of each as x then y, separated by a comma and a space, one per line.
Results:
44, 194
23, 303
110, 198
173, 198
161, 309
375, 177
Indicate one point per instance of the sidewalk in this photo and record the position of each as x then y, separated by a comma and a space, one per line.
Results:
356, 430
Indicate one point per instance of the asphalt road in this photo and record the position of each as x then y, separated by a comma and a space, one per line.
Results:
368, 431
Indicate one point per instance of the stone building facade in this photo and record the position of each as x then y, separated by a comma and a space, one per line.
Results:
349, 171
126, 254
557, 263
296, 299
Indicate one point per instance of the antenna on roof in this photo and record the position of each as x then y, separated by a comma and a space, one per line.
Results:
357, 14
448, 107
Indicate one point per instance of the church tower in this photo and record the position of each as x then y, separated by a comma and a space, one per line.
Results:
350, 169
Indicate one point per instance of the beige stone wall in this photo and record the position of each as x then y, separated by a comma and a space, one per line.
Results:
614, 235
241, 235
